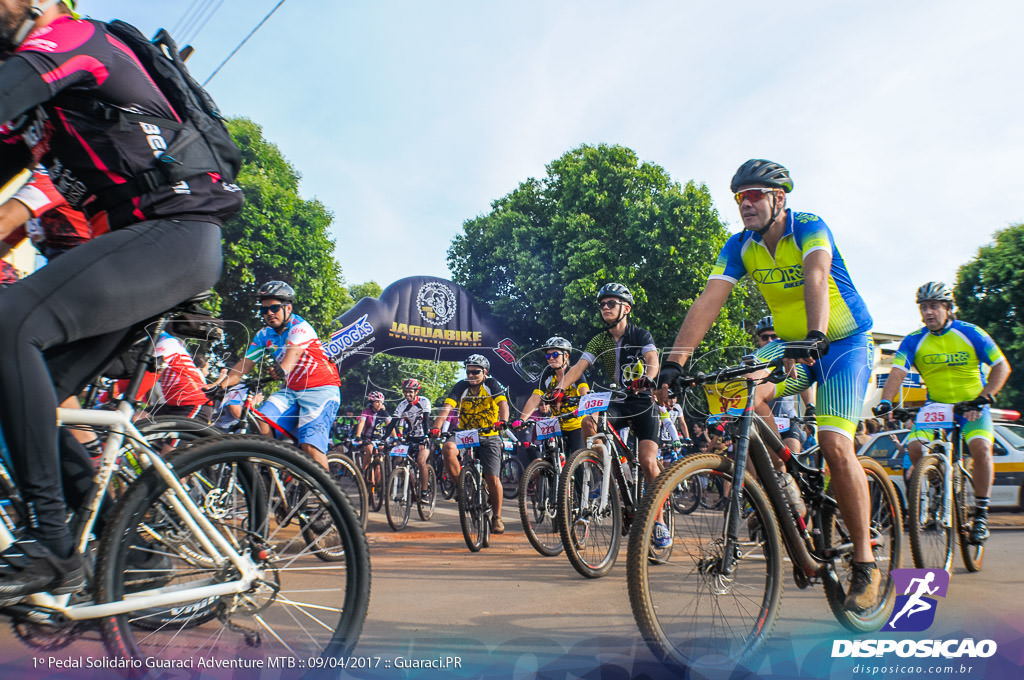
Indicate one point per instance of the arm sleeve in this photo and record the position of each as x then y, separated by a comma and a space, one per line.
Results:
21, 88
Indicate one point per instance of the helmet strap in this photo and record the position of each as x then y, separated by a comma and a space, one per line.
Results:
622, 315
771, 220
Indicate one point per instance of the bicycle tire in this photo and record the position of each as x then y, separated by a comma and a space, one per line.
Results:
472, 516
713, 496
686, 497
538, 507
349, 478
591, 536
689, 614
662, 555
375, 482
398, 494
272, 612
885, 525
510, 474
973, 554
931, 543
169, 432
426, 503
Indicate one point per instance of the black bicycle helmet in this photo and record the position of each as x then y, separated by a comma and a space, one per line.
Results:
556, 342
764, 324
759, 172
934, 290
615, 290
477, 360
278, 290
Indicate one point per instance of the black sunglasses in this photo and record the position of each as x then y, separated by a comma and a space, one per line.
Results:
608, 304
768, 336
269, 309
476, 372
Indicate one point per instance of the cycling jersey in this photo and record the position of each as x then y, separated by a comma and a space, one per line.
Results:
78, 61
55, 227
781, 278
949, 361
548, 382
478, 410
622, 360
181, 382
375, 421
313, 369
412, 416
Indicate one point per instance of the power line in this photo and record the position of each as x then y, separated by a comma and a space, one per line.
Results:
202, 24
244, 40
185, 18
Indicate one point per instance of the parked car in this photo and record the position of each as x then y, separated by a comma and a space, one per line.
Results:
1007, 456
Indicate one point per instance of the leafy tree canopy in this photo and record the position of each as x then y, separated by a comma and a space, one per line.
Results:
990, 293
542, 253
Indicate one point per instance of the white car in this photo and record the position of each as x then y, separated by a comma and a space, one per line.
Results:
1007, 456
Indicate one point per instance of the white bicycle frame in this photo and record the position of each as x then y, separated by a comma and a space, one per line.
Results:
218, 547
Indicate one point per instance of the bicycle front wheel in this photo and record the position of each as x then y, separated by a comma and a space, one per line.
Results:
261, 496
538, 507
590, 533
472, 513
931, 541
375, 482
399, 498
347, 476
427, 500
510, 475
693, 609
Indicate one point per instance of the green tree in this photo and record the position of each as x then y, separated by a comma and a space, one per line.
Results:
990, 293
276, 235
385, 372
542, 253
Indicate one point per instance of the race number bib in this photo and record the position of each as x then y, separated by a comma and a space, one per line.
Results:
548, 428
594, 402
781, 423
465, 439
725, 399
400, 450
934, 416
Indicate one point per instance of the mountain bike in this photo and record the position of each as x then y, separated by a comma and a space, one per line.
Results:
538, 488
375, 474
511, 470
196, 560
446, 486
404, 486
475, 509
716, 601
940, 496
599, 493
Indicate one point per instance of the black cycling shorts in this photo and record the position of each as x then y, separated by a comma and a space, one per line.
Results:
640, 413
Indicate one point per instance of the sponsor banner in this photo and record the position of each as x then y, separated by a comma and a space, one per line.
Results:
425, 317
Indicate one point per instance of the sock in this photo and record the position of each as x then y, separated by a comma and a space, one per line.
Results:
981, 503
866, 565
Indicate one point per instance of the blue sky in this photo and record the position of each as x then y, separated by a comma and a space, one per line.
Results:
900, 122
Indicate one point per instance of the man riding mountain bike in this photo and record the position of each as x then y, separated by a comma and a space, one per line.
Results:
412, 419
949, 354
64, 322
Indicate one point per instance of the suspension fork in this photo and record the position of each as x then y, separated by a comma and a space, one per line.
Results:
731, 551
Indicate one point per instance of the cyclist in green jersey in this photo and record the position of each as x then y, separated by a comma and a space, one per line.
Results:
949, 354
793, 259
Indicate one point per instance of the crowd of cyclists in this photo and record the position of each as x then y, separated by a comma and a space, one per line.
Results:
107, 270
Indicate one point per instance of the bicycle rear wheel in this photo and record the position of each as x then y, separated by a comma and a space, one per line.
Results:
686, 496
427, 501
973, 554
347, 476
472, 515
538, 507
591, 534
510, 475
375, 482
931, 541
399, 498
885, 527
692, 613
297, 606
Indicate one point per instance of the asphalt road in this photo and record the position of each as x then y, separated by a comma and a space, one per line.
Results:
439, 611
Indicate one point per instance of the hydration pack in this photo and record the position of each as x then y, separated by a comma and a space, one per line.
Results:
202, 143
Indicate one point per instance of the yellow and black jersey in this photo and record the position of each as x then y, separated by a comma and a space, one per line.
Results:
547, 384
478, 407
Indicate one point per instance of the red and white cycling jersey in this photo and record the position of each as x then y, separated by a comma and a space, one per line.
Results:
314, 368
180, 380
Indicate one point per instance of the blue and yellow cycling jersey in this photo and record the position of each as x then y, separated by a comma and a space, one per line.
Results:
949, 361
781, 278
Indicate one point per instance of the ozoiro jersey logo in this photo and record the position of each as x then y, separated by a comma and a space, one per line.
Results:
436, 303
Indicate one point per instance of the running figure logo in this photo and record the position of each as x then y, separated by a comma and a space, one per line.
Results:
914, 609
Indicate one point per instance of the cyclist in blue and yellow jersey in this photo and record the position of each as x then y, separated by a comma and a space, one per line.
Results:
949, 354
482, 405
628, 357
556, 353
794, 261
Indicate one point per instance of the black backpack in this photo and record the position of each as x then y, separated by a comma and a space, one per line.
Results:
202, 143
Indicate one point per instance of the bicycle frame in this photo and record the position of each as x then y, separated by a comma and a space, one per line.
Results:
606, 445
120, 426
